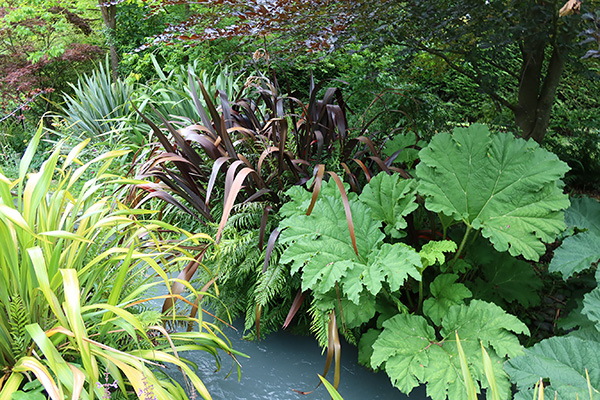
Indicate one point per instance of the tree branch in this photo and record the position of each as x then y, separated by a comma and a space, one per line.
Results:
475, 78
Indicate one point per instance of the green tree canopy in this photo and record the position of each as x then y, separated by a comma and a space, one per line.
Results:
490, 42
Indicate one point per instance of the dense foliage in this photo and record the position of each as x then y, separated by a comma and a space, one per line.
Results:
317, 166
59, 241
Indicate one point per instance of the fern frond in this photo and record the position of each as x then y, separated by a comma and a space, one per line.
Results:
246, 216
18, 320
273, 280
318, 324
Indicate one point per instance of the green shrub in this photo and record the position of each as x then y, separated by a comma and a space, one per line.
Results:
99, 107
372, 267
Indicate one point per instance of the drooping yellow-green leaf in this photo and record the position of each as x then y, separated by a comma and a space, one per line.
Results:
470, 387
41, 373
330, 389
506, 187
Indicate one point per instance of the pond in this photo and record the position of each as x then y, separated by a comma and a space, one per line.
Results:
282, 362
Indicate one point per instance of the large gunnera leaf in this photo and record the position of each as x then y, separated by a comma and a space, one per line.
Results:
580, 251
321, 250
584, 213
506, 187
390, 198
561, 362
591, 307
322, 247
412, 354
575, 254
445, 293
505, 279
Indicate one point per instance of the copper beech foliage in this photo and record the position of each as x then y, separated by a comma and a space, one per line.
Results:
529, 42
300, 25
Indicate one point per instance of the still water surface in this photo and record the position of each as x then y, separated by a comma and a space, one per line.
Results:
282, 362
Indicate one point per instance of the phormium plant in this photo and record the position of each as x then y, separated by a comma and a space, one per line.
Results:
61, 318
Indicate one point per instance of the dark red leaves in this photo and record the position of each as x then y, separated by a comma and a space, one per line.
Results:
313, 25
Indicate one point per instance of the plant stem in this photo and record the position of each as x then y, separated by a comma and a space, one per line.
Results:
462, 244
420, 292
408, 298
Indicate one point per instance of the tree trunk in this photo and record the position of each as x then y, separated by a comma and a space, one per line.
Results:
532, 113
109, 16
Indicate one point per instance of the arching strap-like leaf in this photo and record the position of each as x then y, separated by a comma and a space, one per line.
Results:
334, 346
213, 175
218, 123
380, 164
320, 171
185, 275
282, 128
41, 373
369, 143
351, 178
300, 295
207, 144
334, 352
184, 147
164, 196
320, 142
330, 389
263, 156
337, 118
270, 246
257, 195
201, 111
402, 172
230, 199
257, 315
231, 175
364, 168
226, 109
346, 203
263, 226
161, 137
10, 385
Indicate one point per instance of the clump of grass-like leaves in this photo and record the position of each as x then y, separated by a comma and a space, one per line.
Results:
79, 262
99, 107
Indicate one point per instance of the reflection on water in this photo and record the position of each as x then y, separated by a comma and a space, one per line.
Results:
282, 362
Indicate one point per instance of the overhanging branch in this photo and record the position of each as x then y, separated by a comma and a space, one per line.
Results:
463, 71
